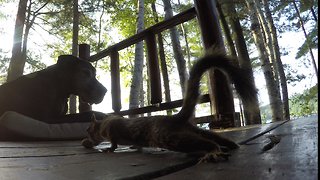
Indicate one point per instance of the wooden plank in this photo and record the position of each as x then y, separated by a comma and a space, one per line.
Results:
117, 165
31, 144
26, 152
294, 158
157, 28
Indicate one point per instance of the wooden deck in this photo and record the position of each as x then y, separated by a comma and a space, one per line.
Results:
294, 157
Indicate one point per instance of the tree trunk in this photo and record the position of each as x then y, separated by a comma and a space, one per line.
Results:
141, 94
28, 24
148, 92
314, 15
266, 31
16, 65
274, 95
266, 34
185, 35
253, 116
278, 61
181, 63
163, 63
138, 62
75, 35
306, 36
226, 30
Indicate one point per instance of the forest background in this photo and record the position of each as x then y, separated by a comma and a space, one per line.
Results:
48, 30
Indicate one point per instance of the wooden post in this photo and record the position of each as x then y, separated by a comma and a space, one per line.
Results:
220, 91
115, 81
84, 53
154, 70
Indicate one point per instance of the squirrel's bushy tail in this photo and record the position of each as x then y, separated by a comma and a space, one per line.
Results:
215, 59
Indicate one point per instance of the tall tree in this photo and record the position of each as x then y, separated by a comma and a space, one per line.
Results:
181, 62
184, 30
273, 91
313, 61
75, 37
16, 64
136, 84
163, 63
279, 66
252, 116
226, 30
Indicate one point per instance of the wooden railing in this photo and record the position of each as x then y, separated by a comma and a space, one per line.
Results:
149, 36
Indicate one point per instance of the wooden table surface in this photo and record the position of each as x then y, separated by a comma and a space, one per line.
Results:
294, 157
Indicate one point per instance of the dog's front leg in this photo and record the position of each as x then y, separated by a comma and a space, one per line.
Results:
113, 147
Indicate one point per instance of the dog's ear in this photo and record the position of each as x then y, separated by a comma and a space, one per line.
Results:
66, 59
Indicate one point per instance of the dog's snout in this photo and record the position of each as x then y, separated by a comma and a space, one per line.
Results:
101, 91
104, 89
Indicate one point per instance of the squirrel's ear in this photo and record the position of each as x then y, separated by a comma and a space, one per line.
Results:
93, 118
92, 124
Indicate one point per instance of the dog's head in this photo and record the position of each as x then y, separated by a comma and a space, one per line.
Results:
80, 78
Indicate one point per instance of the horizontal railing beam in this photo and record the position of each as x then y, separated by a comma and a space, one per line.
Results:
161, 106
155, 29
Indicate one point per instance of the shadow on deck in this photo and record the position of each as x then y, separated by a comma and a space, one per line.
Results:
294, 157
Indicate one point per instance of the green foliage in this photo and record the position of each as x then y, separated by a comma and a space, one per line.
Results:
312, 41
293, 76
266, 114
293, 24
4, 64
60, 19
33, 62
305, 103
306, 4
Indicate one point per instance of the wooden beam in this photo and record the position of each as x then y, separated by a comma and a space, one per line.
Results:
154, 69
84, 53
155, 29
115, 81
160, 107
220, 91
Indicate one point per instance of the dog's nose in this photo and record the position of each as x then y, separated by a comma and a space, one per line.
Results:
104, 90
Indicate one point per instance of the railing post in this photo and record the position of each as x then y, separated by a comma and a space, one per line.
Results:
115, 81
84, 53
220, 92
154, 69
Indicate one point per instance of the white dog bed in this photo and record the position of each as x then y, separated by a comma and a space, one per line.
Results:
15, 126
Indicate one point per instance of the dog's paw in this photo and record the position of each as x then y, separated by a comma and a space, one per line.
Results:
215, 156
108, 150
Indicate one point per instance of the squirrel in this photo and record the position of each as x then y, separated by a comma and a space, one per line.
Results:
175, 132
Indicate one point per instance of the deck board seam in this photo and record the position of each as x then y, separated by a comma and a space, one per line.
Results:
244, 142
